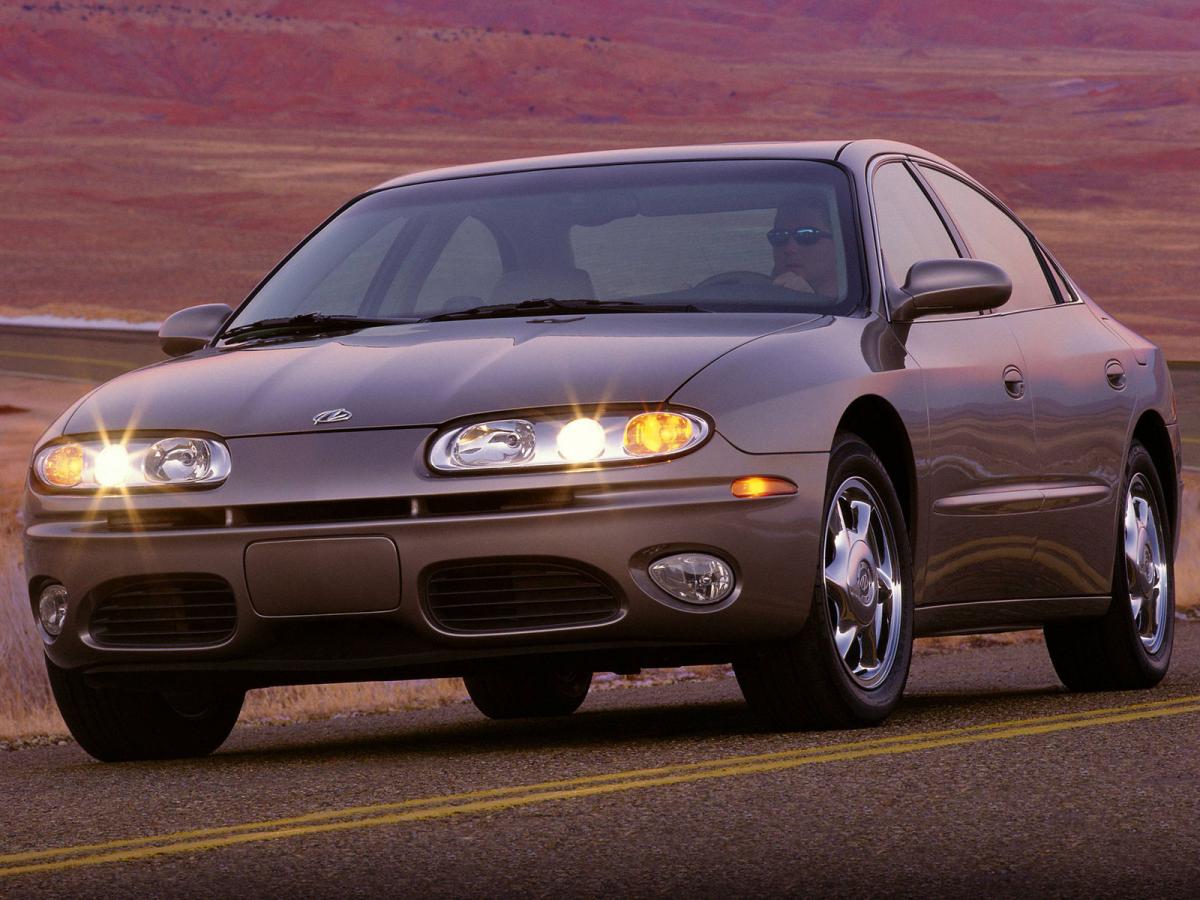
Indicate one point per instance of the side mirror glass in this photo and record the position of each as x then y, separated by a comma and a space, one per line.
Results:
950, 286
192, 328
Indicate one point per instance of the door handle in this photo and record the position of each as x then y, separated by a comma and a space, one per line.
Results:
1014, 382
1115, 373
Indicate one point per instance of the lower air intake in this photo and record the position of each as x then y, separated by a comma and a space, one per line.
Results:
165, 611
494, 596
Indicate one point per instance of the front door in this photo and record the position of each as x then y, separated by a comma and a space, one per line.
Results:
980, 498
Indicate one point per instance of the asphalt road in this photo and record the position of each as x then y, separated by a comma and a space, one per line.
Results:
989, 779
98, 355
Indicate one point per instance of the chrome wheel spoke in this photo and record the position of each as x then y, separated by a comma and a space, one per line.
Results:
862, 519
1136, 605
1141, 511
886, 587
868, 657
864, 596
1131, 555
840, 600
844, 639
838, 523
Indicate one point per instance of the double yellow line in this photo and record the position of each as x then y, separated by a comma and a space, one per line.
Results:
504, 798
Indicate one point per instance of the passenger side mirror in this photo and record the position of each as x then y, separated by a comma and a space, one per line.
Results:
192, 328
950, 286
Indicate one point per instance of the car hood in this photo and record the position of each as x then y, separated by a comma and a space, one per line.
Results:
424, 373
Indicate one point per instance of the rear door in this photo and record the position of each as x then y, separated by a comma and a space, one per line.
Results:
980, 504
1075, 369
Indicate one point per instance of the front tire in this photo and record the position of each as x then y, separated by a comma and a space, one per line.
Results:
522, 692
114, 725
1130, 647
848, 666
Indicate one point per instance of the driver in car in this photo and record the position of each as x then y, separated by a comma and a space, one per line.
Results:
802, 245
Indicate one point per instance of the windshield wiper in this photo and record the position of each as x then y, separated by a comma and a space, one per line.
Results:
307, 323
552, 305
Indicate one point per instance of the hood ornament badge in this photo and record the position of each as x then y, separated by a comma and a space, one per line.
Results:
331, 416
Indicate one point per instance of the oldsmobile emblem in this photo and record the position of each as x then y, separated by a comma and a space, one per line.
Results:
331, 415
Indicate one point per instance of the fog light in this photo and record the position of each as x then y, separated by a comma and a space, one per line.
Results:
52, 609
693, 577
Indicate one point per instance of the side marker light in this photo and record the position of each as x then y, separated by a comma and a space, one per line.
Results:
753, 486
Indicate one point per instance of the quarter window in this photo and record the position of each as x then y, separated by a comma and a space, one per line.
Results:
910, 229
994, 236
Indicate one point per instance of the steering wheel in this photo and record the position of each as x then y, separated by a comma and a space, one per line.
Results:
734, 276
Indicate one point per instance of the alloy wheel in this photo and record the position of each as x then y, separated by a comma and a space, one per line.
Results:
862, 586
1146, 574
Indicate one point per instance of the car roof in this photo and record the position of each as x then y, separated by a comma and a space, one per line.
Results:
816, 150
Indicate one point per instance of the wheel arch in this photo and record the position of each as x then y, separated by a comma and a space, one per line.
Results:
1151, 432
877, 422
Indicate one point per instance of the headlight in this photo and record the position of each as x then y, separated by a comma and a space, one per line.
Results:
565, 440
134, 463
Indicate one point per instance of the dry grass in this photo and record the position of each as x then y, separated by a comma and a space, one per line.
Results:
27, 710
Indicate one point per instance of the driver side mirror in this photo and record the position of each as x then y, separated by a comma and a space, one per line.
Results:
192, 328
950, 286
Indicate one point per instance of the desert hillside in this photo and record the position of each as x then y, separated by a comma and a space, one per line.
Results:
157, 155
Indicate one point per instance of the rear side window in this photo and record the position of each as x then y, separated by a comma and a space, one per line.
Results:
910, 229
994, 236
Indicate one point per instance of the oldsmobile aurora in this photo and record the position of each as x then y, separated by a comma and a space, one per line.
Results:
785, 405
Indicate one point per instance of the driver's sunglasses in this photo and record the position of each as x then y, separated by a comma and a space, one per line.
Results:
805, 236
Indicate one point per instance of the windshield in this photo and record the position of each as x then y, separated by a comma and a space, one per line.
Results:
723, 236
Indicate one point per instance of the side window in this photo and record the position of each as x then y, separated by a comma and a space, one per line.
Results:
909, 227
993, 235
468, 266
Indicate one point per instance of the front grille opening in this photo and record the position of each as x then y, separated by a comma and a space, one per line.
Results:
164, 611
496, 502
160, 519
320, 512
517, 595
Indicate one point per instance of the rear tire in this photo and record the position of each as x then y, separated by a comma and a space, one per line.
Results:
116, 726
848, 666
520, 692
1130, 646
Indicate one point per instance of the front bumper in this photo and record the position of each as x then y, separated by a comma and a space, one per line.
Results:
374, 483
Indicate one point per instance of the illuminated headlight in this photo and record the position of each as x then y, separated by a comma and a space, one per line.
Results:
566, 440
133, 463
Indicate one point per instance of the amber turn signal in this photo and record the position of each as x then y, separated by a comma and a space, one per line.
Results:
762, 486
63, 466
649, 434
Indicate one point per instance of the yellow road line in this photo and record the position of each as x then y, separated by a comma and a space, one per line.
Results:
111, 363
576, 788
355, 811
